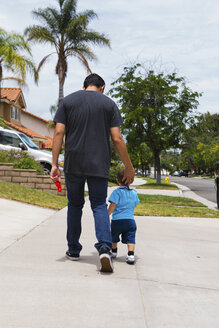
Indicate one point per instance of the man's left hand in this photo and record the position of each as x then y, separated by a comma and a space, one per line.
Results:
55, 174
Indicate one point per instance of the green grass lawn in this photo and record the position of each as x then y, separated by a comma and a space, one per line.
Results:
150, 205
152, 184
112, 184
31, 196
158, 205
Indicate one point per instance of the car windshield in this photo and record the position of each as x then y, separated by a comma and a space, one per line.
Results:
29, 142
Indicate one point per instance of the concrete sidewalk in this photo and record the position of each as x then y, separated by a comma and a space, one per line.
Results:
174, 283
17, 219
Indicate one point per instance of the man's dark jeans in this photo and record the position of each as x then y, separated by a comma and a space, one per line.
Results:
97, 194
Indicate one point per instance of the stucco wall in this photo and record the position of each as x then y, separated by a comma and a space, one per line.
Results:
1, 110
36, 125
6, 112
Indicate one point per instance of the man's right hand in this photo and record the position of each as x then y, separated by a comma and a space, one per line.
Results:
129, 175
55, 174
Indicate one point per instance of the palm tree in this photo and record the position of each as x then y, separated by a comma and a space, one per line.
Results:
67, 31
11, 59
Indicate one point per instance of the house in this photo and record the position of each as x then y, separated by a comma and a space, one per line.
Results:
13, 110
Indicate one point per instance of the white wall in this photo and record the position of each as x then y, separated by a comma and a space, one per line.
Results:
36, 125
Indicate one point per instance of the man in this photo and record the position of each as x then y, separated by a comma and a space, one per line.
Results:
89, 118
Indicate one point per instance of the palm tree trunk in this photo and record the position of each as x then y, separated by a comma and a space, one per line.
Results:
61, 89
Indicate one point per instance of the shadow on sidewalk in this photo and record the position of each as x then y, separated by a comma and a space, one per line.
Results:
92, 259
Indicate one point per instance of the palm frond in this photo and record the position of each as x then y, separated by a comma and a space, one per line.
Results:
83, 60
11, 46
78, 23
42, 62
69, 9
61, 3
17, 79
14, 41
55, 20
40, 34
96, 38
83, 49
87, 16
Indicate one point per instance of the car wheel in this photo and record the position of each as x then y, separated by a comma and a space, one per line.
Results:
46, 169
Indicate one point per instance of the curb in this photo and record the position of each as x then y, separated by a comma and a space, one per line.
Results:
193, 195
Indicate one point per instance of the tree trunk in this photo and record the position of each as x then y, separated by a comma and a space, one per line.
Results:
155, 171
61, 92
157, 165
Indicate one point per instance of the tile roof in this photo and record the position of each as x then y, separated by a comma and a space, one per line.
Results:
10, 94
30, 133
48, 142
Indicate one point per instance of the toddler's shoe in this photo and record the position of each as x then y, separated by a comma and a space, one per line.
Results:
72, 256
130, 259
114, 253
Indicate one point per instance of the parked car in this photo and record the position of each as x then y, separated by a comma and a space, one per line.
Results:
183, 173
176, 174
13, 140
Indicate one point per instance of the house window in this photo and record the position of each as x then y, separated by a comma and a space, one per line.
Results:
15, 113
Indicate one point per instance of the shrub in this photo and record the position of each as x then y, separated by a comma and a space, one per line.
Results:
20, 160
113, 172
3, 123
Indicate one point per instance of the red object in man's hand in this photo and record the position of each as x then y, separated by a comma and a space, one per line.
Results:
58, 185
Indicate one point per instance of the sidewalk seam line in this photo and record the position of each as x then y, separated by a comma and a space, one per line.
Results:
24, 235
142, 298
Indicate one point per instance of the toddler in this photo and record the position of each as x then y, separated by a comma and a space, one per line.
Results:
122, 204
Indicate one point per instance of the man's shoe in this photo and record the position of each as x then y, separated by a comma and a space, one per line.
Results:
72, 256
105, 260
130, 259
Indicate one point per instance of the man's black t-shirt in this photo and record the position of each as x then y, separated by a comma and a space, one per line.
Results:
88, 117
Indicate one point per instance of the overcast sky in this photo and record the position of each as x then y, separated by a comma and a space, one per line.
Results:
177, 35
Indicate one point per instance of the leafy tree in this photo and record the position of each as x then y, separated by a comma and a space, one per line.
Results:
200, 140
140, 154
170, 160
207, 127
156, 108
67, 31
12, 47
206, 155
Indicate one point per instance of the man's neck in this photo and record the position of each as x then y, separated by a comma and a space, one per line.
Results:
94, 88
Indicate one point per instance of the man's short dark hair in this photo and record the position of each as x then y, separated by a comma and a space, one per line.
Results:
95, 80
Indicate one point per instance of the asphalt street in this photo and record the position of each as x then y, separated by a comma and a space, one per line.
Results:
201, 186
